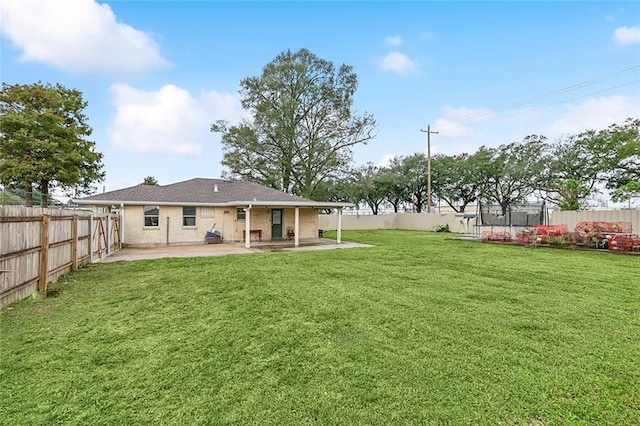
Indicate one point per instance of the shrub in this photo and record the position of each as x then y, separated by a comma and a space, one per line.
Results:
442, 228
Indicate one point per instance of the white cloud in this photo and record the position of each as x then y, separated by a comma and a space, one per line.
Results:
386, 160
594, 114
395, 40
399, 63
456, 121
464, 129
169, 120
77, 36
627, 35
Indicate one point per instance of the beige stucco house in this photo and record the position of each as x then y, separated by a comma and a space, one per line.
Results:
183, 212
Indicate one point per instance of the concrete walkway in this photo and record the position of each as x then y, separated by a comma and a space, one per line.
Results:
204, 250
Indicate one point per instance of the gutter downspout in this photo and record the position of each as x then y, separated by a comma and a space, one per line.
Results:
247, 226
167, 230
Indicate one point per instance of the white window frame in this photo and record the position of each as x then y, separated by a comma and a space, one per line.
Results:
146, 215
189, 216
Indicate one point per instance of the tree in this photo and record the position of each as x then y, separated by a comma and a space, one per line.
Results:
457, 179
43, 140
620, 144
334, 190
366, 187
626, 192
573, 168
608, 157
150, 180
302, 127
511, 172
394, 182
414, 168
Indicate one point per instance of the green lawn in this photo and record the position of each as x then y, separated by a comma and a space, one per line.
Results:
420, 329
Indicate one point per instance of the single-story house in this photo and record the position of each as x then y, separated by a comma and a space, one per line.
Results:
183, 212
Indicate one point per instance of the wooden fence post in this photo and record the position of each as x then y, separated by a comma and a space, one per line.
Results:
44, 255
74, 243
108, 234
91, 238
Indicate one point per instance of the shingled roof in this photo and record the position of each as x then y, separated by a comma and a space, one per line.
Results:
200, 191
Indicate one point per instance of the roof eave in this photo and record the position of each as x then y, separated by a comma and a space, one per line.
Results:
297, 203
147, 203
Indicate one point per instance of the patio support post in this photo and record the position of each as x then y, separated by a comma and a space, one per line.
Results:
296, 228
339, 231
247, 227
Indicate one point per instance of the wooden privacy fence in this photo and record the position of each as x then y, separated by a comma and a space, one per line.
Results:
38, 245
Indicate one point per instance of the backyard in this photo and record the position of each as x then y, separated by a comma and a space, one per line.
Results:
420, 329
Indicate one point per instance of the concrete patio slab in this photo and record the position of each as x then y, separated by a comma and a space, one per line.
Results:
205, 250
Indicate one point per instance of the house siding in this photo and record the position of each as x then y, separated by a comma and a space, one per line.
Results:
223, 219
261, 219
308, 222
137, 234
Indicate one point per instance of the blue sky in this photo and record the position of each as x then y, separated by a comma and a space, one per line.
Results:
156, 74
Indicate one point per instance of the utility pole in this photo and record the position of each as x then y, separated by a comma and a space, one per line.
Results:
428, 132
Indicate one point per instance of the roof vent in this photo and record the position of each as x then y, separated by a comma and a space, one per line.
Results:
215, 188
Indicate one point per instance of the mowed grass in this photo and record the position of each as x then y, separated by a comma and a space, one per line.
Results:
420, 329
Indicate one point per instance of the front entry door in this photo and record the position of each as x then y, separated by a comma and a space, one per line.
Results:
276, 224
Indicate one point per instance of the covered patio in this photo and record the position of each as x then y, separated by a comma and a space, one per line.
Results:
292, 236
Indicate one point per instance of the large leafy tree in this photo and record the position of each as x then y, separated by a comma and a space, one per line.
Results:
44, 140
578, 166
457, 179
394, 181
414, 168
335, 190
573, 169
511, 172
620, 144
302, 127
367, 187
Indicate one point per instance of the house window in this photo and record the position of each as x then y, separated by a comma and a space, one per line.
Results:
151, 216
242, 215
188, 216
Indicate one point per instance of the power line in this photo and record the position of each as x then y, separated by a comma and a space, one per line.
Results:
459, 126
457, 123
554, 93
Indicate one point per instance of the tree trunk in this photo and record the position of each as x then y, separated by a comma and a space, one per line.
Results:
374, 208
504, 207
28, 195
44, 196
